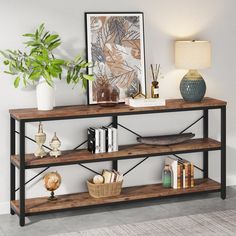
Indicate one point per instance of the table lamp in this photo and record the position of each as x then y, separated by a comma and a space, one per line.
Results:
192, 55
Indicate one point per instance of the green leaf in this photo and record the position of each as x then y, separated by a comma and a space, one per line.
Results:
45, 35
52, 71
36, 34
53, 42
4, 54
84, 83
68, 77
16, 82
12, 52
9, 72
58, 62
88, 77
53, 46
6, 62
41, 29
28, 35
77, 58
85, 65
50, 38
35, 75
33, 44
78, 68
47, 76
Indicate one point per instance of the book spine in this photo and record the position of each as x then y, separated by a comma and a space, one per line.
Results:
102, 140
106, 138
91, 140
178, 176
181, 175
97, 141
184, 186
189, 175
115, 139
186, 175
192, 175
174, 167
110, 146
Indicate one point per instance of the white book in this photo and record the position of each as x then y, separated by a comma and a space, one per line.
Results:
146, 102
97, 141
115, 139
120, 178
174, 165
110, 143
113, 177
107, 176
102, 137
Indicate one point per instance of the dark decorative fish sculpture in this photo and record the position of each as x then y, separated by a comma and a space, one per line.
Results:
166, 139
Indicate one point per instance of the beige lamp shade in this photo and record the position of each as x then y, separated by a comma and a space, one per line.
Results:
192, 55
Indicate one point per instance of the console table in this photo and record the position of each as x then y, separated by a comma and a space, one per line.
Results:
25, 207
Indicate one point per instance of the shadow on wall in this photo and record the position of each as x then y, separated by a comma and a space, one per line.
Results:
72, 47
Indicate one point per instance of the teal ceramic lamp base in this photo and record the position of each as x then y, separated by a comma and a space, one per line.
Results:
192, 87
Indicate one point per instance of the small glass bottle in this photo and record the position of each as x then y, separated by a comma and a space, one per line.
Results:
155, 89
166, 177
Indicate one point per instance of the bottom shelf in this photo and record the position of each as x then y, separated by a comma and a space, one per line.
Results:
76, 200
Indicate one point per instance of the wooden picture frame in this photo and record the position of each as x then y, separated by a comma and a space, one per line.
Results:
115, 46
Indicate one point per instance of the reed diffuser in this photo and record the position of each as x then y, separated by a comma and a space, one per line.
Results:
155, 84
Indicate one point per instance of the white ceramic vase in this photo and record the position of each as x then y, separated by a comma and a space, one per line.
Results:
45, 96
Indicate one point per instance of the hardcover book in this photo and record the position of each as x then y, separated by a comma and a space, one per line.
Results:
91, 140
97, 141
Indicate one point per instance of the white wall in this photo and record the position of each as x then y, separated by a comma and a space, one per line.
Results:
165, 21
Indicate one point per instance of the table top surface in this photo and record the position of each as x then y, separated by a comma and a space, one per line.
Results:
82, 111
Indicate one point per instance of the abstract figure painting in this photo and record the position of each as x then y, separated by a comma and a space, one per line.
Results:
115, 46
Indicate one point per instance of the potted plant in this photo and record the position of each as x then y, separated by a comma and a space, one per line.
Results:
39, 66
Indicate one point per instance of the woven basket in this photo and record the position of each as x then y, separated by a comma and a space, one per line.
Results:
104, 190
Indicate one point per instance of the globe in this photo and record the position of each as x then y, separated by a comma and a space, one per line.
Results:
52, 182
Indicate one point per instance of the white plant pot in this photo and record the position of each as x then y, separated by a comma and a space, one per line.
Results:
45, 96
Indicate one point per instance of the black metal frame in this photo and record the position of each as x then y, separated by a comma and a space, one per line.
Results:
115, 124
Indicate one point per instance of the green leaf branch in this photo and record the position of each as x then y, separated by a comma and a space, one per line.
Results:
40, 61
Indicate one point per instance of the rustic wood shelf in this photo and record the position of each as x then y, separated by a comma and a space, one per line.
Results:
82, 111
125, 152
77, 200
23, 161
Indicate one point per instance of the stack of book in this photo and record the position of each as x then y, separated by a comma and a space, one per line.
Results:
103, 139
145, 102
182, 172
111, 176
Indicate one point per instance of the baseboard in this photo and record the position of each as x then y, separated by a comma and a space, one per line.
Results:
4, 208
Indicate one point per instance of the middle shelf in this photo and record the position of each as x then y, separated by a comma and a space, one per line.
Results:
125, 152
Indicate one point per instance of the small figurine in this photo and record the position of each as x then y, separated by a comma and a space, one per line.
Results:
40, 139
55, 144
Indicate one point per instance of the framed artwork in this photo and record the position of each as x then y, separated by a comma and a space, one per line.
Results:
115, 46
